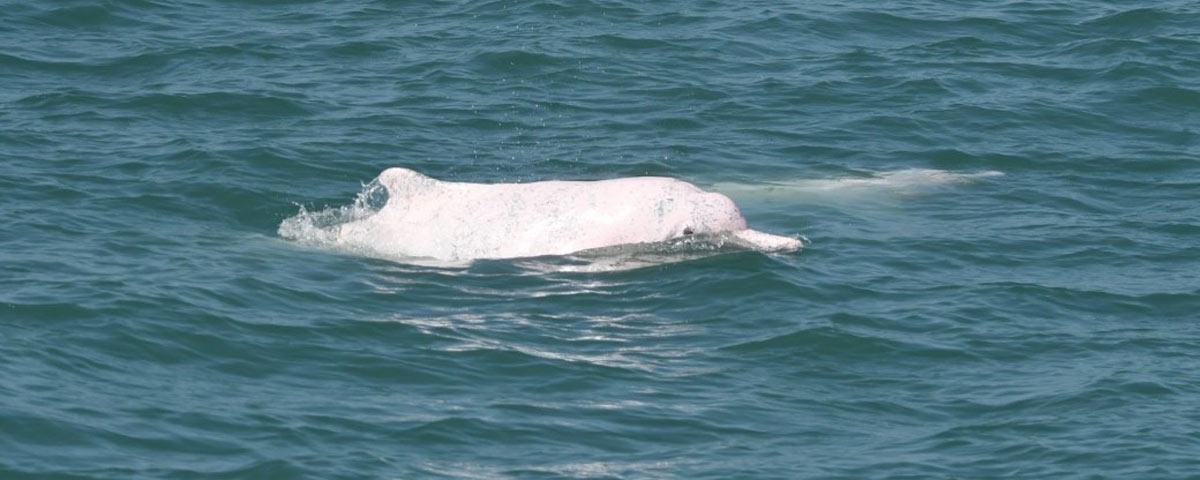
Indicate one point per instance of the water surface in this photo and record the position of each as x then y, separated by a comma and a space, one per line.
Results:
1035, 324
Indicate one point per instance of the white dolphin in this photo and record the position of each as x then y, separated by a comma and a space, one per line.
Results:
430, 218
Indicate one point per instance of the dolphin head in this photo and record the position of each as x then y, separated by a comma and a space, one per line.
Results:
710, 213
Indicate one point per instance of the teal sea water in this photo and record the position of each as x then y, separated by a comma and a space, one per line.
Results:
940, 323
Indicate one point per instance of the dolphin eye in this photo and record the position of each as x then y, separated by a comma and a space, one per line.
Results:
687, 230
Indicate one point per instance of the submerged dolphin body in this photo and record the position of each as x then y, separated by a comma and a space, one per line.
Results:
429, 218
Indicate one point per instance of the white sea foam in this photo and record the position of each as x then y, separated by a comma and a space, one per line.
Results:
319, 228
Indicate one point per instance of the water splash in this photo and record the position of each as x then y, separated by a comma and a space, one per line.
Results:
320, 228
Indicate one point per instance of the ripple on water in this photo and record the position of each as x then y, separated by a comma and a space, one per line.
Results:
154, 305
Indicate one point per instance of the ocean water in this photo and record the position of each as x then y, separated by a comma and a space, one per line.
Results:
1001, 202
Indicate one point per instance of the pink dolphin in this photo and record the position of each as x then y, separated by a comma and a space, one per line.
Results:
431, 218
